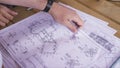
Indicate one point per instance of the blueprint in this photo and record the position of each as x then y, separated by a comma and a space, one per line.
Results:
40, 42
7, 60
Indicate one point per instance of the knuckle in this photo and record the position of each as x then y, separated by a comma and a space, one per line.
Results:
12, 17
7, 21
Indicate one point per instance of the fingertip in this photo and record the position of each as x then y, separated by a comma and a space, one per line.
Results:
13, 13
80, 24
73, 30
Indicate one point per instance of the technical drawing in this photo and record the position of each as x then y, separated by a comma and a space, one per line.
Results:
40, 30
90, 52
18, 48
37, 26
70, 62
11, 35
103, 42
43, 44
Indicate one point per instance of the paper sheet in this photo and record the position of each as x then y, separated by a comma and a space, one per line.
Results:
8, 61
39, 42
116, 64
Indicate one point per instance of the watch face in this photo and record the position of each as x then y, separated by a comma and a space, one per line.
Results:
0, 60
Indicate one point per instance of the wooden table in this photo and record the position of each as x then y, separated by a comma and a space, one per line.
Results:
105, 10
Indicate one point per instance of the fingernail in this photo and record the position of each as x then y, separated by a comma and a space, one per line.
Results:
16, 13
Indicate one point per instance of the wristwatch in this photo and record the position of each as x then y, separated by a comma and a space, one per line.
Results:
48, 6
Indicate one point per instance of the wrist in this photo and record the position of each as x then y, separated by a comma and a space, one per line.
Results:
53, 7
40, 4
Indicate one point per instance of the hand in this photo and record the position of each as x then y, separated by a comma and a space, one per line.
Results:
6, 15
65, 16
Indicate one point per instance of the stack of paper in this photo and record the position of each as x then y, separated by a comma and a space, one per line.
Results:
116, 64
39, 42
